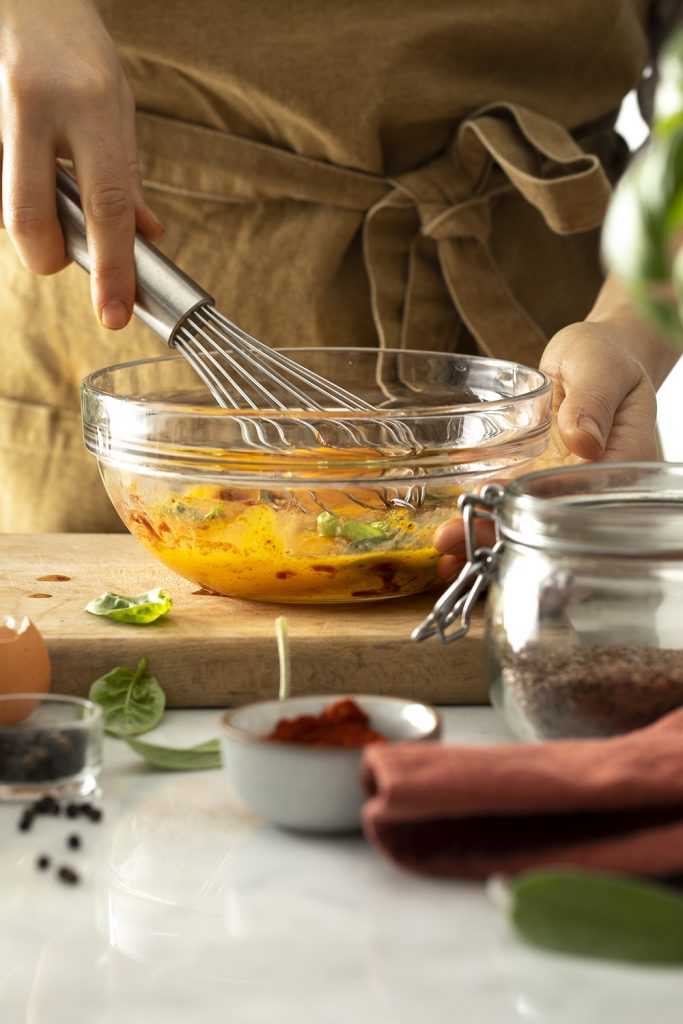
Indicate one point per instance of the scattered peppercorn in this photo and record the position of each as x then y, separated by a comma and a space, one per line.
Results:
73, 841
95, 813
43, 862
72, 810
68, 876
46, 805
26, 821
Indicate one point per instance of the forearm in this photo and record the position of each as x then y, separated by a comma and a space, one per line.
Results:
636, 334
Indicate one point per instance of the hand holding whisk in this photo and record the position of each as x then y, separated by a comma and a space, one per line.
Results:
239, 371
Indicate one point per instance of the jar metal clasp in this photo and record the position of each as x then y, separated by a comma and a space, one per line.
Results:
459, 600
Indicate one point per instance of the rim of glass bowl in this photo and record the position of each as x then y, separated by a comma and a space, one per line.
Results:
92, 712
150, 436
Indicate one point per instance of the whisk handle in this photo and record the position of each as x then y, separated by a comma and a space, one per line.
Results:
164, 295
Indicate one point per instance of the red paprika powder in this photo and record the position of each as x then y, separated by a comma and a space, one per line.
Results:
342, 724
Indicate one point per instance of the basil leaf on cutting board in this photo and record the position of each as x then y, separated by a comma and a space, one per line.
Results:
139, 609
179, 759
602, 916
132, 700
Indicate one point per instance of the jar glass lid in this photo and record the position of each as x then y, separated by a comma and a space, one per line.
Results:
630, 509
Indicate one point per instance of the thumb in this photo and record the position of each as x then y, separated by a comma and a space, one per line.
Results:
592, 379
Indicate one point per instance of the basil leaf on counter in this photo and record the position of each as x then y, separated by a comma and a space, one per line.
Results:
179, 759
132, 701
138, 609
602, 916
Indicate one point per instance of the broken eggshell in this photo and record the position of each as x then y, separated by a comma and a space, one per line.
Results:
24, 666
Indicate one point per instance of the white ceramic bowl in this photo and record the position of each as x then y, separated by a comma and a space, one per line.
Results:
312, 789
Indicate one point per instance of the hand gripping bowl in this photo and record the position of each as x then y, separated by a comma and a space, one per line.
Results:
302, 507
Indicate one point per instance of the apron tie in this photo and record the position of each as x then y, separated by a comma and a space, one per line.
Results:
498, 150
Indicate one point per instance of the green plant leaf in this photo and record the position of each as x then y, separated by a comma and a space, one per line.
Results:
132, 701
601, 916
179, 759
643, 222
359, 534
139, 609
328, 524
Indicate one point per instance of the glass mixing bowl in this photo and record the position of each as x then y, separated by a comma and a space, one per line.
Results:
310, 507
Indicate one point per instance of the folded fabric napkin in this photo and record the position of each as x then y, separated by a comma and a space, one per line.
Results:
611, 804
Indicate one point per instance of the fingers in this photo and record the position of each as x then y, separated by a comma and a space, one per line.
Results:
146, 220
602, 396
113, 204
110, 226
28, 203
585, 397
63, 94
97, 144
30, 212
448, 567
449, 539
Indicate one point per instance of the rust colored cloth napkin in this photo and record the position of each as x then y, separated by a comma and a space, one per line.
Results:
611, 804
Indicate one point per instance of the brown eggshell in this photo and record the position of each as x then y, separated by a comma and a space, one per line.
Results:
24, 666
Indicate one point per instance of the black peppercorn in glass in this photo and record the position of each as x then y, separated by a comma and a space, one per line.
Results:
52, 749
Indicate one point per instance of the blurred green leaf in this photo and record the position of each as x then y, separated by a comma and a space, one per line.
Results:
180, 759
132, 701
603, 916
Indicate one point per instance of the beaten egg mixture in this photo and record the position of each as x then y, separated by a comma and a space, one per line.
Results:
272, 547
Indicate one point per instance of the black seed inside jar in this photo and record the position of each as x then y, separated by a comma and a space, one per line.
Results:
38, 755
596, 690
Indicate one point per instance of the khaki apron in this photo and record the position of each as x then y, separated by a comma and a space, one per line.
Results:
429, 176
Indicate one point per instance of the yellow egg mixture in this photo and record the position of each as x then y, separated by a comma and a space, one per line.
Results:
261, 545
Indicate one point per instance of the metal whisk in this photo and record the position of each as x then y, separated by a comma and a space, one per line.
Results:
239, 371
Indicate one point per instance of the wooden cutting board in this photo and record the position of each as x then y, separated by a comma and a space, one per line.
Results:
215, 651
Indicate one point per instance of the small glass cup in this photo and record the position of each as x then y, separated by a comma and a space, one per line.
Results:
49, 743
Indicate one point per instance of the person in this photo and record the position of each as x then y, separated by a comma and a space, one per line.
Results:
430, 177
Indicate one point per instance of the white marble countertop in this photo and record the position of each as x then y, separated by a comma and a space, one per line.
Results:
191, 909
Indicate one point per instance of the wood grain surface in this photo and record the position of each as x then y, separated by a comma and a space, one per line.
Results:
216, 651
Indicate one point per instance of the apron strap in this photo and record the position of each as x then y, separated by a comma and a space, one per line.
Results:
207, 164
498, 150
